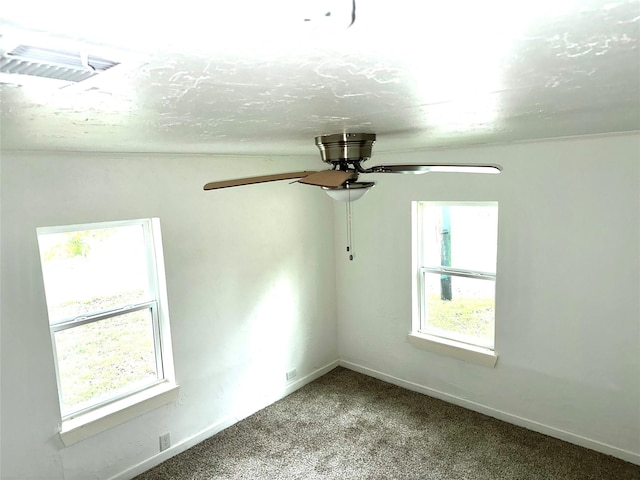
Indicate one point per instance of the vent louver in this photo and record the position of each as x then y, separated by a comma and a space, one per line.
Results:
55, 64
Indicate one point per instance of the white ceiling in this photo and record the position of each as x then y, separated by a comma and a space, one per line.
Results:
252, 77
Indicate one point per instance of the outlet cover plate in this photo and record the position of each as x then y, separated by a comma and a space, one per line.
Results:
165, 441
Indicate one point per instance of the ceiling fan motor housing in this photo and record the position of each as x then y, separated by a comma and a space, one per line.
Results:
345, 147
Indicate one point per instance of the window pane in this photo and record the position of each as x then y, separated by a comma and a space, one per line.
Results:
93, 270
460, 236
99, 360
467, 314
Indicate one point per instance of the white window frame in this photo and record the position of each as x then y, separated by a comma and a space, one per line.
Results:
452, 345
82, 423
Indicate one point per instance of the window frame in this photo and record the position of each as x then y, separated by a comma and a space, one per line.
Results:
132, 400
453, 345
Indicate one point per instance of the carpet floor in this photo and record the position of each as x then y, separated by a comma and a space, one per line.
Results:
346, 425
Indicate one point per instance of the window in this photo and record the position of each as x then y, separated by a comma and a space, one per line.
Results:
107, 311
455, 253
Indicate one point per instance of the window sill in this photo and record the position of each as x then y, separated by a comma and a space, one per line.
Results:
461, 351
101, 419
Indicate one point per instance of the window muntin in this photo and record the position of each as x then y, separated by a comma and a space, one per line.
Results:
456, 269
101, 286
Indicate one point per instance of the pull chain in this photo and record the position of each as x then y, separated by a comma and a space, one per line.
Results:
350, 248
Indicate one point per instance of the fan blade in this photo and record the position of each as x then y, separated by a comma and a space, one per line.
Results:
328, 178
251, 180
448, 168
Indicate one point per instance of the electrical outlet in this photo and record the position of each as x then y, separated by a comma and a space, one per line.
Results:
165, 441
291, 374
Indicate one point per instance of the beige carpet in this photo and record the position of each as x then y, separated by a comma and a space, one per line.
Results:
346, 425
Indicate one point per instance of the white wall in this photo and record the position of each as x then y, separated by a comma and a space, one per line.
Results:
251, 275
568, 289
250, 279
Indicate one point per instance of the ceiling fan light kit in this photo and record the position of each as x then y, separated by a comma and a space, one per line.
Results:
350, 191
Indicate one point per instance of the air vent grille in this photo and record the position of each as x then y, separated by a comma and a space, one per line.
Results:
54, 64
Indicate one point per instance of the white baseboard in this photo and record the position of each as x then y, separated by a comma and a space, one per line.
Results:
507, 417
222, 424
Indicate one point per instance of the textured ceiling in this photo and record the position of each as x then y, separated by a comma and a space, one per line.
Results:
255, 78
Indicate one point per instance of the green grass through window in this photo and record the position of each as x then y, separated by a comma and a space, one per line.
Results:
468, 316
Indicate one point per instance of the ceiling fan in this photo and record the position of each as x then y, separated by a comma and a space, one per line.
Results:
346, 152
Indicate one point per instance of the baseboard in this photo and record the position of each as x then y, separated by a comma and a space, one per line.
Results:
500, 415
222, 424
